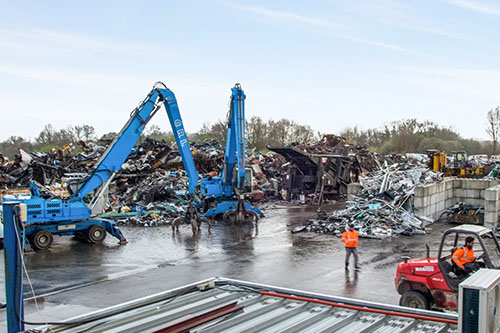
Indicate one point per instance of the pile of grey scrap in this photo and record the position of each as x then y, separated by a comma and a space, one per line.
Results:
382, 207
373, 218
463, 213
399, 177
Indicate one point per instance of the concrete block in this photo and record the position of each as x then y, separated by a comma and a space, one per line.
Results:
482, 193
491, 206
491, 194
430, 189
419, 191
449, 202
458, 193
476, 201
490, 219
457, 183
466, 184
448, 184
449, 194
471, 193
418, 202
429, 211
475, 184
435, 208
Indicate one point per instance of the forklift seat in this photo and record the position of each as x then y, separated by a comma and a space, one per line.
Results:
446, 267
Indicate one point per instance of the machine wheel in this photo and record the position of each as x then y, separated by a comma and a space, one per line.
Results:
41, 240
414, 299
96, 234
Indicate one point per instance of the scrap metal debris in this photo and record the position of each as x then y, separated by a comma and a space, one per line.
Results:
382, 208
151, 187
463, 213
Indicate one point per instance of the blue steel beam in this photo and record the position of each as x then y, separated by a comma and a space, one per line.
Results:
174, 116
235, 143
13, 268
117, 152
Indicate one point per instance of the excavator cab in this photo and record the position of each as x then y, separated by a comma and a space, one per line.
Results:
463, 168
459, 159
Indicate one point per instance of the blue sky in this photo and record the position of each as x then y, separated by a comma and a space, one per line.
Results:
328, 64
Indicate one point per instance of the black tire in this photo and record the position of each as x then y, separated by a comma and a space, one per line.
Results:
414, 299
96, 234
41, 240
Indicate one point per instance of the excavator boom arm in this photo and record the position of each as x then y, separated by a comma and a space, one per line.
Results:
117, 152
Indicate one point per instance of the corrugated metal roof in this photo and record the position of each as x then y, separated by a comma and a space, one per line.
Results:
236, 306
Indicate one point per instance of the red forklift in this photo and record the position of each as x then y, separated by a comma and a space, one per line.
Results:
431, 282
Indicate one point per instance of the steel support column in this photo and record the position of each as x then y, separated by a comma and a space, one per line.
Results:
13, 269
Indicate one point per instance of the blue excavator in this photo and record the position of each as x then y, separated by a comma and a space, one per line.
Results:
221, 195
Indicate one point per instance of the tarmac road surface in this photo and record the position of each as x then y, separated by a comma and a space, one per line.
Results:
76, 278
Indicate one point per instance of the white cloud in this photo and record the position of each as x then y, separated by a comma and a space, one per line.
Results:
472, 83
475, 6
397, 14
327, 26
286, 16
45, 40
67, 77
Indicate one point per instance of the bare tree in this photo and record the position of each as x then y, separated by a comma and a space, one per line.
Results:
493, 126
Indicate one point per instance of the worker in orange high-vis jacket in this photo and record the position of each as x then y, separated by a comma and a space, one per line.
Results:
351, 240
464, 260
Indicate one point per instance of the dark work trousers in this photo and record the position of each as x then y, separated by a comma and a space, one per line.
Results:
470, 267
354, 251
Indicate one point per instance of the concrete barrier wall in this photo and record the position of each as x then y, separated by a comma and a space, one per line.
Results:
432, 200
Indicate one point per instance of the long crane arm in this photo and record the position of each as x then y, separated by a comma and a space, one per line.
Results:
117, 152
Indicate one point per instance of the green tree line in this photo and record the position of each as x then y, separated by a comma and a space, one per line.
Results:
403, 136
412, 136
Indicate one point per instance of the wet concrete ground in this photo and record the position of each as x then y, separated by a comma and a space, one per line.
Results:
76, 277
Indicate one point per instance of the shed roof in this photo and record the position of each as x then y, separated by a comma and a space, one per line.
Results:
225, 305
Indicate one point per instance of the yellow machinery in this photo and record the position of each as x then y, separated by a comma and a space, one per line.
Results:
463, 168
460, 167
438, 161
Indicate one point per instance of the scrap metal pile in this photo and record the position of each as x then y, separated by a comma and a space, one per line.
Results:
383, 207
151, 187
463, 212
321, 171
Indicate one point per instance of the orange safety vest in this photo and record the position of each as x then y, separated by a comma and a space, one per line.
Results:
350, 238
462, 255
